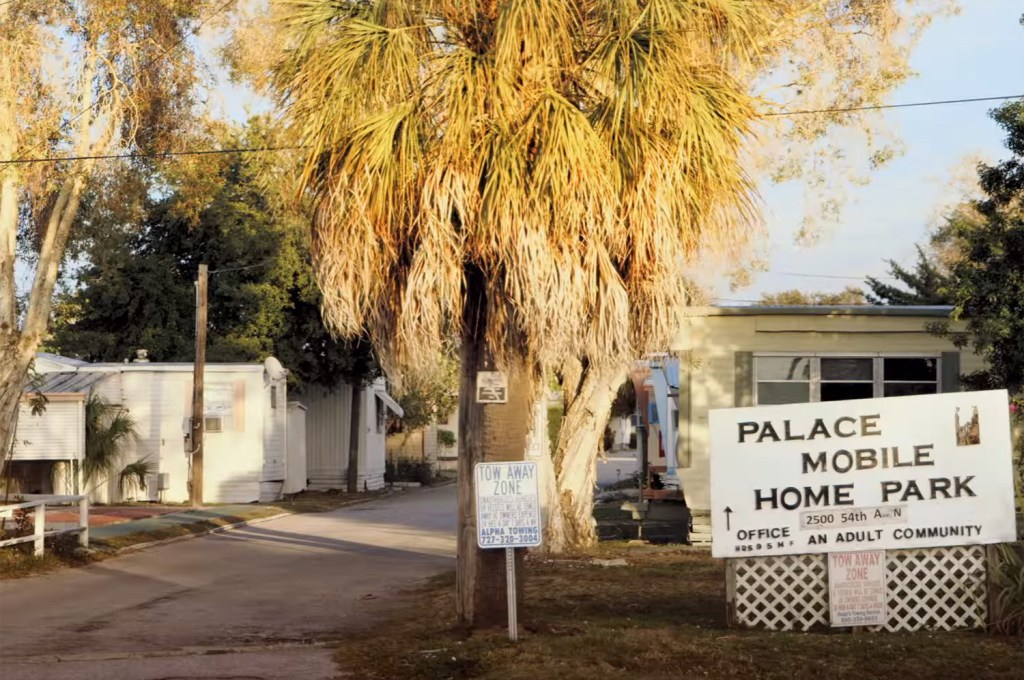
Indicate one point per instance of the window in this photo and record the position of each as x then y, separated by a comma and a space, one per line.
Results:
218, 407
906, 376
813, 378
783, 380
847, 378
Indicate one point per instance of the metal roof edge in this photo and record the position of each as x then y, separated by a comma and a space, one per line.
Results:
932, 311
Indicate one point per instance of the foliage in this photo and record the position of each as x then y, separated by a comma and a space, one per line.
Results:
408, 471
109, 430
132, 477
137, 288
431, 394
446, 438
624, 404
987, 284
1007, 580
520, 96
555, 416
925, 284
851, 295
87, 78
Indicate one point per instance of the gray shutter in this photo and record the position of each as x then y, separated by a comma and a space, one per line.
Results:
949, 381
744, 378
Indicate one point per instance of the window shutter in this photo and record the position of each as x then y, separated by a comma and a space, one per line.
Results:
950, 379
743, 375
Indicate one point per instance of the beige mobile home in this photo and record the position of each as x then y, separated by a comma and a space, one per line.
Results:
745, 356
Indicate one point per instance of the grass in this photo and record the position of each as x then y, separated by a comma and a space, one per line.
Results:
178, 530
19, 563
663, 616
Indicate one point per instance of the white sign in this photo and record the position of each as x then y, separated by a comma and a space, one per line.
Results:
507, 505
856, 588
903, 472
491, 387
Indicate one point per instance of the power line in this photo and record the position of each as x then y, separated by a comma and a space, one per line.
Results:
828, 276
877, 107
156, 154
238, 269
203, 152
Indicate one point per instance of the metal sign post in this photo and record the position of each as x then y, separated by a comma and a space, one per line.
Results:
510, 586
508, 516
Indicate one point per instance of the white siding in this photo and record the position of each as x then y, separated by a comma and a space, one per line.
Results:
295, 472
275, 433
328, 420
109, 388
328, 417
56, 434
233, 459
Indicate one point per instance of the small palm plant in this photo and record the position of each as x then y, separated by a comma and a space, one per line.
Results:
109, 430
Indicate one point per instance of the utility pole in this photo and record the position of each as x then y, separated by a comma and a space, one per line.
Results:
196, 441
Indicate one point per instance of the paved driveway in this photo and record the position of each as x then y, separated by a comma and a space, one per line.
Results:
256, 602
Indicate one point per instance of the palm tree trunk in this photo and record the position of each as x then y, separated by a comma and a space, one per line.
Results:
487, 432
570, 521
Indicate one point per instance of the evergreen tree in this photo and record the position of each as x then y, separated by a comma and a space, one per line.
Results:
924, 284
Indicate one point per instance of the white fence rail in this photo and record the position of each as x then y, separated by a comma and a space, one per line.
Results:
38, 503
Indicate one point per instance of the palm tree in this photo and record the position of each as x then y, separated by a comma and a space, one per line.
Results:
109, 430
529, 176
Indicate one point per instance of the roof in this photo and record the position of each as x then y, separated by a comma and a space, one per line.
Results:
168, 367
154, 366
827, 310
58, 359
65, 383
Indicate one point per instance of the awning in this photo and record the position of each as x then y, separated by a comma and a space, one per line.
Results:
390, 403
64, 383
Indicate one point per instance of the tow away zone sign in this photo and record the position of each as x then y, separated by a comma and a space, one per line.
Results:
507, 505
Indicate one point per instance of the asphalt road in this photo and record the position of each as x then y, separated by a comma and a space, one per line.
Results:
261, 602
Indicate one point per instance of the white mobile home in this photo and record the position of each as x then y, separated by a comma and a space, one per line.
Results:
328, 433
245, 447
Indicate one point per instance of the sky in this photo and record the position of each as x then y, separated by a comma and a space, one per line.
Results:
979, 53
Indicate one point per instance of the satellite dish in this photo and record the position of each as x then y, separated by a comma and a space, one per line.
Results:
274, 369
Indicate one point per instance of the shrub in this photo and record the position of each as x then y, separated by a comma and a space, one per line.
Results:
408, 471
1008, 584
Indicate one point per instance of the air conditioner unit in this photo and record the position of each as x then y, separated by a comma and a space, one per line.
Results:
213, 424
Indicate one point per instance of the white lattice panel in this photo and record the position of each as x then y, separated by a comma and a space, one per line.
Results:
930, 589
789, 592
936, 588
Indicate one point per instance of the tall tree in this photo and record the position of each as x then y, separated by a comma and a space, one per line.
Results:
987, 283
925, 284
532, 175
851, 295
136, 290
79, 78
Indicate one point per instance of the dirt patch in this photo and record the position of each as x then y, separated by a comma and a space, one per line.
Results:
662, 616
